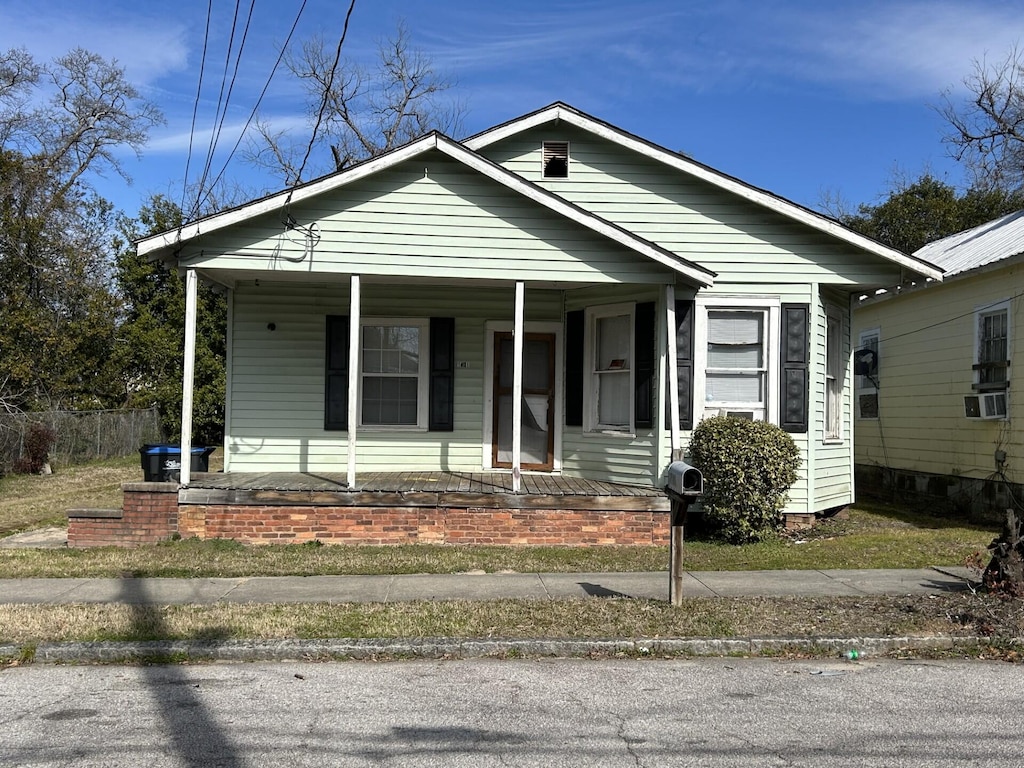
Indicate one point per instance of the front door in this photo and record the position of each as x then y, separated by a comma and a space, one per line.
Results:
537, 444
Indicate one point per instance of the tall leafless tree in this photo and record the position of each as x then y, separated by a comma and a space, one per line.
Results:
366, 111
987, 128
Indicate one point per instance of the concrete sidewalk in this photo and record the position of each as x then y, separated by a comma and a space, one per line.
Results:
474, 586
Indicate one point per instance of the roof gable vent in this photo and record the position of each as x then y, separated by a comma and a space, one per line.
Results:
556, 159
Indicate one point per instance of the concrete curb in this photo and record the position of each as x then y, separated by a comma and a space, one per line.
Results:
462, 648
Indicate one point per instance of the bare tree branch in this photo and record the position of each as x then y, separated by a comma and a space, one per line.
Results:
987, 129
367, 113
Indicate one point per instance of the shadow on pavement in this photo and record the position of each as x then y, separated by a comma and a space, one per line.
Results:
192, 732
596, 590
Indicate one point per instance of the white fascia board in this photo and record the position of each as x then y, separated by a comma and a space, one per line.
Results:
704, 173
277, 200
695, 274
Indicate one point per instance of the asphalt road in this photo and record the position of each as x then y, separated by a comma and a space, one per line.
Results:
707, 712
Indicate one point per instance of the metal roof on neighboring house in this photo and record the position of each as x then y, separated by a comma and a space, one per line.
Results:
985, 244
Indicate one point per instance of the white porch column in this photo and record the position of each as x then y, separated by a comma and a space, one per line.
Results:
188, 375
353, 376
673, 371
517, 386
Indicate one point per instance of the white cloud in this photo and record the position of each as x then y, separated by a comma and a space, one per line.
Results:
146, 46
877, 49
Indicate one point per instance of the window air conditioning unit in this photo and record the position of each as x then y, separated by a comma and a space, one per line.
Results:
989, 405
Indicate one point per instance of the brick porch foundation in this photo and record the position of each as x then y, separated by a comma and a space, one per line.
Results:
423, 525
152, 512
149, 515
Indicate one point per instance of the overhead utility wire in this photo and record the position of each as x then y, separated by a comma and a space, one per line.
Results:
226, 100
951, 319
323, 103
255, 108
195, 108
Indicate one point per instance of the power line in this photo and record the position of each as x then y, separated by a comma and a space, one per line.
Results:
195, 106
327, 93
951, 319
224, 100
256, 107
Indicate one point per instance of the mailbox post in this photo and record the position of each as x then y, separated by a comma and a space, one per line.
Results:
683, 484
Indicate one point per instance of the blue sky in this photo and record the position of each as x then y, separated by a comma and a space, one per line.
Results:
800, 98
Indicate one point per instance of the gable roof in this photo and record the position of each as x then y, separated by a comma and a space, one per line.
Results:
692, 272
980, 246
574, 117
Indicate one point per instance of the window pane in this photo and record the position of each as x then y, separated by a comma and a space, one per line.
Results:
734, 356
390, 349
390, 400
734, 388
735, 327
613, 338
613, 399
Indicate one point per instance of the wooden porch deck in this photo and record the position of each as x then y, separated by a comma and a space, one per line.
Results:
461, 489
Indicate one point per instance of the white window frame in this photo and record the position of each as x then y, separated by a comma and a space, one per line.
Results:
835, 376
769, 409
422, 375
865, 387
1000, 307
543, 163
591, 392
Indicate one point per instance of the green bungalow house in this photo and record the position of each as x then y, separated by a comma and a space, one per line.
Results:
507, 339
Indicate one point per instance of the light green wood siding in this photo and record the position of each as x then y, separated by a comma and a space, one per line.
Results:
429, 217
833, 459
926, 351
277, 377
740, 241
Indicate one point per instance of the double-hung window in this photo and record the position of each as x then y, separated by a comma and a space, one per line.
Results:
992, 348
737, 364
608, 400
393, 373
835, 374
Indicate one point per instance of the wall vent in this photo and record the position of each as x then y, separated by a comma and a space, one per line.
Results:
556, 159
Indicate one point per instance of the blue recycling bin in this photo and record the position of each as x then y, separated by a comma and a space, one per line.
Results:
162, 463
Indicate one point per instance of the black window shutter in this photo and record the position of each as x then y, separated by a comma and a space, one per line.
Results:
336, 385
574, 368
795, 346
685, 309
643, 359
442, 374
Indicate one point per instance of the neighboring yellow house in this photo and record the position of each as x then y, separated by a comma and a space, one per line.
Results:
934, 415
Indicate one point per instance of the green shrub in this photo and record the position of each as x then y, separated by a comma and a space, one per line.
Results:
748, 467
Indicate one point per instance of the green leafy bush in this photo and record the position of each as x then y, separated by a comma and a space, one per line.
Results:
748, 467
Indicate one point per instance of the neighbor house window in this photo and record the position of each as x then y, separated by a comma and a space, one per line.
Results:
992, 347
736, 370
609, 397
393, 373
556, 160
867, 385
834, 374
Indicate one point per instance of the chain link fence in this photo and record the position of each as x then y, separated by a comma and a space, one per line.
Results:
81, 435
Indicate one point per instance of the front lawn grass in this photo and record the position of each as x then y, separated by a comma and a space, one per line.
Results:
951, 614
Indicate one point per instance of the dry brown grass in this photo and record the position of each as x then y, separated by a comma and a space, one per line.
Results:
953, 614
34, 501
